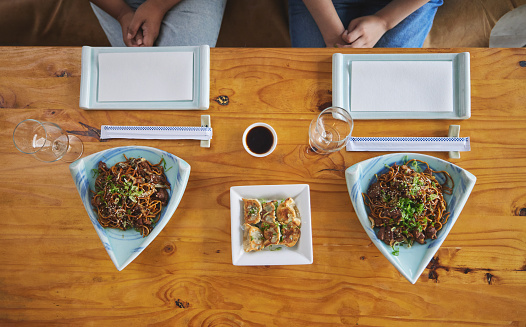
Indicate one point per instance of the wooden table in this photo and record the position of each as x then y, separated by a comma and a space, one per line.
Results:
54, 269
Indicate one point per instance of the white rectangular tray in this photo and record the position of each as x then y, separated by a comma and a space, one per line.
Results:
201, 81
341, 84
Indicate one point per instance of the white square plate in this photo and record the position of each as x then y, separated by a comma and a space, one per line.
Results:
300, 254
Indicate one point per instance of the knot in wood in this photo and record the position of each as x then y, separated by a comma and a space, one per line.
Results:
169, 249
63, 73
181, 304
222, 100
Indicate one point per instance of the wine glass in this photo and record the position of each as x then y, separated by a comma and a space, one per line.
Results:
330, 131
46, 141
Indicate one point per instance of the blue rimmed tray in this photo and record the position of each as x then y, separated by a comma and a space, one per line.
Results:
200, 88
341, 84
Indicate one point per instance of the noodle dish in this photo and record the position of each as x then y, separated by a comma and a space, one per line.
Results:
408, 203
130, 193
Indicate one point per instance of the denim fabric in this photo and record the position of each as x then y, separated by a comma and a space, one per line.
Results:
190, 22
409, 33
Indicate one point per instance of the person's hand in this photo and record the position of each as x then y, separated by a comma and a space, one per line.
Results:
336, 41
364, 32
146, 21
124, 20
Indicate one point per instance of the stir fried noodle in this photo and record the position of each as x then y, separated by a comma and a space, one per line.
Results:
131, 194
407, 204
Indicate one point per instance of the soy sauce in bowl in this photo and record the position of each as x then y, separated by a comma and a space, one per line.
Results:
260, 139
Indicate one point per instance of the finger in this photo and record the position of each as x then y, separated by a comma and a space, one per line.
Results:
360, 43
133, 43
134, 27
139, 38
345, 35
352, 36
148, 37
128, 42
342, 45
352, 33
148, 40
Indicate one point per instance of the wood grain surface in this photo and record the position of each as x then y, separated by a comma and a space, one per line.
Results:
55, 271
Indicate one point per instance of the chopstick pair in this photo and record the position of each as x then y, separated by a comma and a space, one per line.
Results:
453, 143
202, 133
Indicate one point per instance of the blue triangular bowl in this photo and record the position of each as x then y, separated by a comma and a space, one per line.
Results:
124, 246
412, 261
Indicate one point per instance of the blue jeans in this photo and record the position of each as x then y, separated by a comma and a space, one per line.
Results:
190, 22
409, 33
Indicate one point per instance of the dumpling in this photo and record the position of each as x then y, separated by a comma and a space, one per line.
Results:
290, 234
271, 232
268, 212
252, 238
288, 212
252, 211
